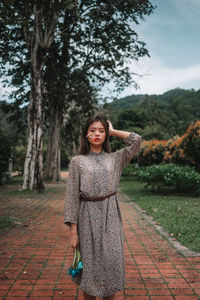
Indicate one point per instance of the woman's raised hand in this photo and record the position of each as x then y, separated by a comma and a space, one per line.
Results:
110, 127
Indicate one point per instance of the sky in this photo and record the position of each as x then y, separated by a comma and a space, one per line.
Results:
172, 37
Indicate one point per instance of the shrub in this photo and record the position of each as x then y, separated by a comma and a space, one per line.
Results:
185, 149
152, 152
182, 150
130, 170
175, 177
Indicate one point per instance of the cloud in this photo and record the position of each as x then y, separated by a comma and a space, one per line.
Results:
189, 9
157, 78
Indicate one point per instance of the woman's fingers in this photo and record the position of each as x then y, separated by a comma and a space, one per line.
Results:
74, 241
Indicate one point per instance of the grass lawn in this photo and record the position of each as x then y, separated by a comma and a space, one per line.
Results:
178, 214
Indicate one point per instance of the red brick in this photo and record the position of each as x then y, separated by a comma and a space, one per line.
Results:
138, 297
182, 291
136, 292
42, 298
42, 293
147, 255
18, 293
186, 297
65, 293
162, 297
3, 292
159, 292
5, 286
16, 298
23, 287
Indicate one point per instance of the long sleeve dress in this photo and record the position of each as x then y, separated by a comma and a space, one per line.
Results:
99, 223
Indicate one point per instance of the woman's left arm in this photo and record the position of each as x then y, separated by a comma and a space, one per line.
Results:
119, 133
133, 143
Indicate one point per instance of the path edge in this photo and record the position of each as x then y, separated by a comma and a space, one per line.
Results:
180, 248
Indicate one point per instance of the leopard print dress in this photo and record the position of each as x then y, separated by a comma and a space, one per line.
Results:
99, 223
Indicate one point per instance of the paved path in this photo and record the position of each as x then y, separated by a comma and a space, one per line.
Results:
34, 255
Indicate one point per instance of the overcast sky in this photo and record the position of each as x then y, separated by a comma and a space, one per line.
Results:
172, 37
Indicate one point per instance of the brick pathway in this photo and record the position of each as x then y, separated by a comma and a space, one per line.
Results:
35, 255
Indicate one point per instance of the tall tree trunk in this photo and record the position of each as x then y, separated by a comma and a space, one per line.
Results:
52, 164
33, 167
57, 75
40, 42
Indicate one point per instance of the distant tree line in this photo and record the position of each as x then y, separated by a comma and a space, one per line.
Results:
157, 116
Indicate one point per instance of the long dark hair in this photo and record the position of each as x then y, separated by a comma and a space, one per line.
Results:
85, 145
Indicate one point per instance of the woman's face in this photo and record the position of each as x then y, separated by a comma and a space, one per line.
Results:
96, 133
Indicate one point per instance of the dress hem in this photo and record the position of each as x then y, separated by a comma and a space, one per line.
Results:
102, 295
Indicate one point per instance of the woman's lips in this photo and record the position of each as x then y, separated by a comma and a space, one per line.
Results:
96, 139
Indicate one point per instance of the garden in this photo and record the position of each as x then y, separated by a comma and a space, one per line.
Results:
166, 185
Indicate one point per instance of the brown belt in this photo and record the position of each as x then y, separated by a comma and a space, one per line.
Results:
98, 198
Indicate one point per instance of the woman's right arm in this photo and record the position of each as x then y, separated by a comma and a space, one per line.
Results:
72, 201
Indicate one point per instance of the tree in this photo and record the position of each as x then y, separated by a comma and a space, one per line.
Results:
91, 52
35, 23
96, 49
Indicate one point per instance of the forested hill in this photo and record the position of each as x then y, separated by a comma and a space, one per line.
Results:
129, 101
157, 116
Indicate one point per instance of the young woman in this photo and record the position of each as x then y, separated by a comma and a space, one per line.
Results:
91, 207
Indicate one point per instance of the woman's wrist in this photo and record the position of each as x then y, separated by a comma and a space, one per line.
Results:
112, 132
119, 133
73, 228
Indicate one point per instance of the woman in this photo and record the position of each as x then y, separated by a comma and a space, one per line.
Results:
92, 211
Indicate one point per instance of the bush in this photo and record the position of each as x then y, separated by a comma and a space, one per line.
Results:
130, 170
185, 149
175, 177
152, 152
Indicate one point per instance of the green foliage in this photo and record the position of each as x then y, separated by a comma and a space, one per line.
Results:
64, 158
5, 149
174, 177
129, 101
19, 154
128, 120
85, 45
14, 124
130, 170
165, 115
92, 48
